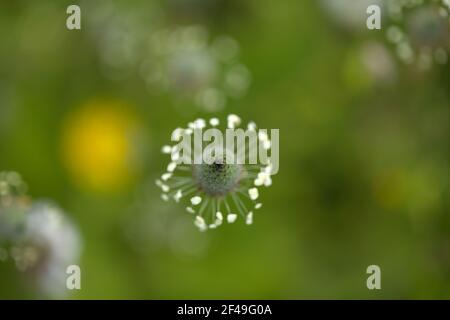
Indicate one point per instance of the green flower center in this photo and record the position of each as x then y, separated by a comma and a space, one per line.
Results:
217, 179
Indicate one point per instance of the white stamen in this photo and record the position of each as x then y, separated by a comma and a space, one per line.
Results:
178, 196
214, 122
231, 217
166, 149
233, 121
263, 179
177, 134
219, 218
171, 167
249, 218
200, 223
262, 136
268, 181
196, 200
251, 126
190, 210
199, 124
175, 156
268, 169
253, 193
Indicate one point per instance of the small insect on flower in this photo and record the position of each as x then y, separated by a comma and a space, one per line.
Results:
219, 189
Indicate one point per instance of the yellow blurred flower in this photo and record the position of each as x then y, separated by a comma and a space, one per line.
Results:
99, 146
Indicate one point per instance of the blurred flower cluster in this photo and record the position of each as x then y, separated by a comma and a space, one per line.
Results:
183, 62
420, 31
37, 236
180, 60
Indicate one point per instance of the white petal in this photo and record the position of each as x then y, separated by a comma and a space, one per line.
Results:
262, 175
253, 193
171, 167
158, 183
177, 134
196, 200
261, 179
212, 226
268, 169
214, 122
175, 156
165, 188
219, 218
268, 181
262, 136
190, 210
166, 176
251, 126
165, 197
178, 195
249, 218
199, 124
231, 217
233, 120
166, 149
200, 223
258, 205
199, 220
258, 182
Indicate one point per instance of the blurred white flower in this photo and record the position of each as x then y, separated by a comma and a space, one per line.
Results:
49, 243
186, 64
420, 31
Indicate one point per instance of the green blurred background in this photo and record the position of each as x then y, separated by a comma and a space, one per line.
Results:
363, 162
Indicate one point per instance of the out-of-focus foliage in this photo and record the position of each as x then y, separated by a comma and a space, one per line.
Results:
364, 143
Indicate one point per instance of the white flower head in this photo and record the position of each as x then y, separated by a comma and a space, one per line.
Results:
217, 190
